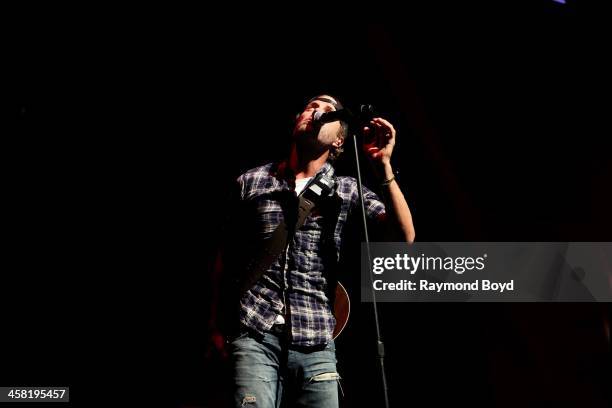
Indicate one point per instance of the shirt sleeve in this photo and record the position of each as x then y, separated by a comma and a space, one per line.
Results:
373, 205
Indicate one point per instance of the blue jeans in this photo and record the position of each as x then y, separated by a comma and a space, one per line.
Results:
268, 374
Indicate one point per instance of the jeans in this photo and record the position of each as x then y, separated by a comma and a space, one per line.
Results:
269, 374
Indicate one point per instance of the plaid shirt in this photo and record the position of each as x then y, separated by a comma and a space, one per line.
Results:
300, 276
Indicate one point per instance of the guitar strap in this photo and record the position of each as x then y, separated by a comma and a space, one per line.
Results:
322, 185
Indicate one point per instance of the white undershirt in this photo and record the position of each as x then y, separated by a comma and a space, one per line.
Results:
299, 186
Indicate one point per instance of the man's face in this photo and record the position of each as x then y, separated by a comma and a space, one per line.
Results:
322, 136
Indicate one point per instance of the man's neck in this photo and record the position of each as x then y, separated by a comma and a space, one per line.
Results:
306, 165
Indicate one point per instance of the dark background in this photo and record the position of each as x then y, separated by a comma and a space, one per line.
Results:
131, 125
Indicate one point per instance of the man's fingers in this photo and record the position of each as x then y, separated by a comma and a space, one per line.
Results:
380, 135
384, 122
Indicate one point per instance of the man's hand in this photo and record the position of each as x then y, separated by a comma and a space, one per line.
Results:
379, 141
378, 146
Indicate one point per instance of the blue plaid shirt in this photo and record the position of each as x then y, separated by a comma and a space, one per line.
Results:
300, 276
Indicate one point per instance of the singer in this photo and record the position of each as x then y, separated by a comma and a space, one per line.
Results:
276, 318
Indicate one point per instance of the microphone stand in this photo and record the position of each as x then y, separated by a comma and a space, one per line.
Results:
380, 346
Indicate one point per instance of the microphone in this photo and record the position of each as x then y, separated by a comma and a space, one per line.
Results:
366, 113
332, 116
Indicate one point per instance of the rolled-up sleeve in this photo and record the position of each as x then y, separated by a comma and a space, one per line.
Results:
375, 208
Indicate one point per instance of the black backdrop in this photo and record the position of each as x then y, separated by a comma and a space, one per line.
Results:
131, 125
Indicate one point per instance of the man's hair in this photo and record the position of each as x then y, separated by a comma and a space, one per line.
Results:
334, 152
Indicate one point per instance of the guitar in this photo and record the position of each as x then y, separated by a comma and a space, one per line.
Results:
342, 309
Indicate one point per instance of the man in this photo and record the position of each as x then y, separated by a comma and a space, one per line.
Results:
283, 350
